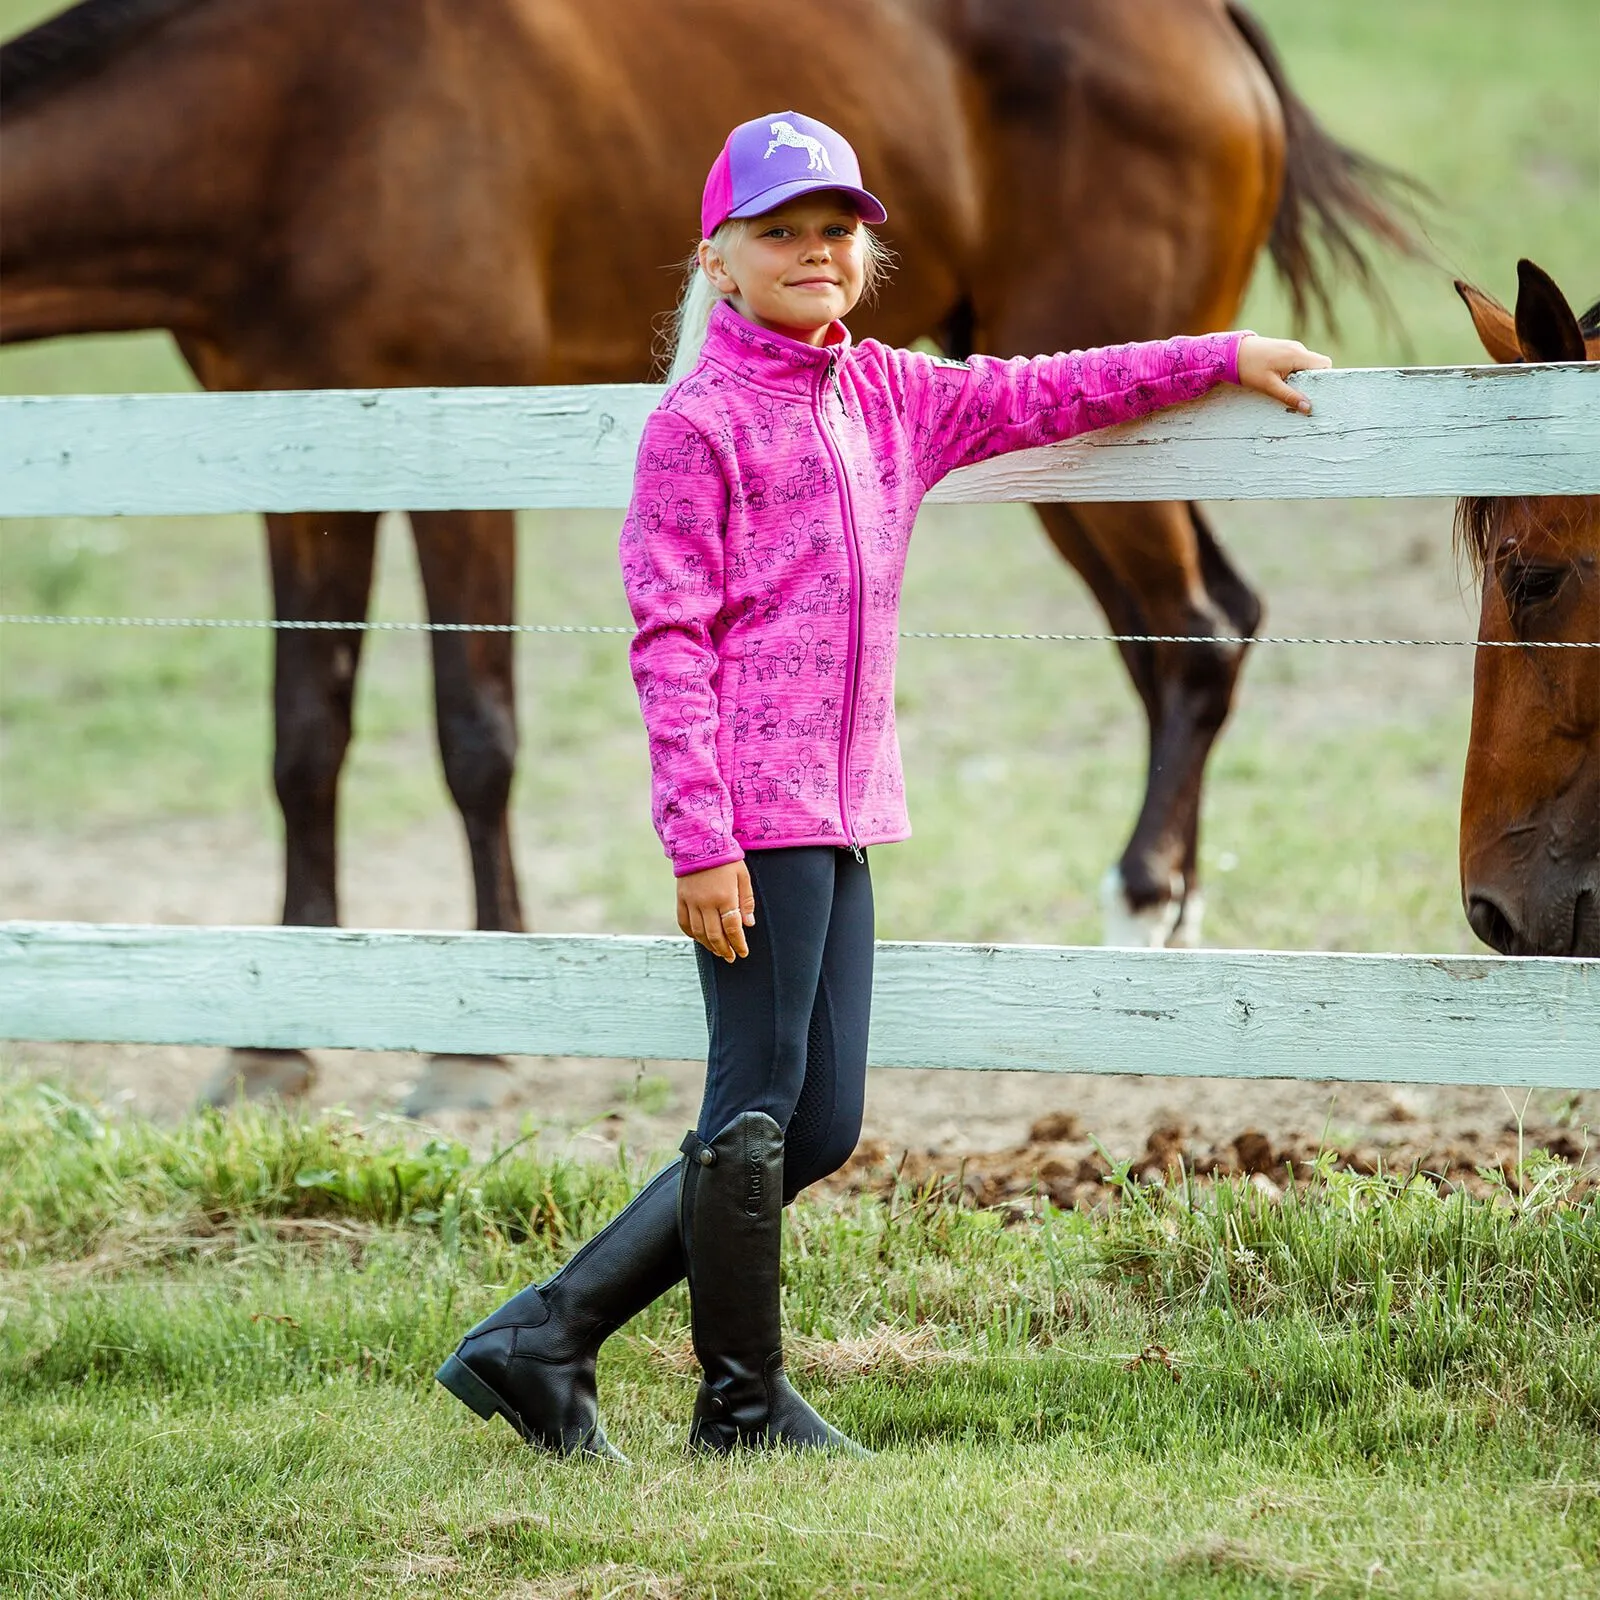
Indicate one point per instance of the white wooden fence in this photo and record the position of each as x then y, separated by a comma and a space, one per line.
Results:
1409, 1018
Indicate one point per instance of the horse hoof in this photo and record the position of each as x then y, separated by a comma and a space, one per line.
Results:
259, 1075
460, 1083
1126, 926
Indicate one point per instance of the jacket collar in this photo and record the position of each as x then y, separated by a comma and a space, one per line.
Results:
767, 359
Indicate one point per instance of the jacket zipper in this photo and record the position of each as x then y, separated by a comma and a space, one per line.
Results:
857, 623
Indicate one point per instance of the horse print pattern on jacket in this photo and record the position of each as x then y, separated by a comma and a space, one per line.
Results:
763, 550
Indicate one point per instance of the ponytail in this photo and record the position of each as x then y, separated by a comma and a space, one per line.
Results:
686, 330
691, 319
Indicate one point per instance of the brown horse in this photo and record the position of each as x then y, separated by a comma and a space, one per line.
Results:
372, 192
1530, 803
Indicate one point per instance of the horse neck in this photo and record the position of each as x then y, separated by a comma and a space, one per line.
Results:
128, 196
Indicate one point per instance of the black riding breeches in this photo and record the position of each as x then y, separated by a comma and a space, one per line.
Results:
788, 1022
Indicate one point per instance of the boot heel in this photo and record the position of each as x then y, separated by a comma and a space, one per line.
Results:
470, 1389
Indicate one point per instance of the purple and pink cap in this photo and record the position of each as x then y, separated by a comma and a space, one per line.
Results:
772, 159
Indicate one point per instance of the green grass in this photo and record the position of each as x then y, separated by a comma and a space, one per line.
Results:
216, 1347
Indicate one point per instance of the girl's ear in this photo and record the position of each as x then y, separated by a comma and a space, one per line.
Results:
716, 269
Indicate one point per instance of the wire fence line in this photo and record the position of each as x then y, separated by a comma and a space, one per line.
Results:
302, 625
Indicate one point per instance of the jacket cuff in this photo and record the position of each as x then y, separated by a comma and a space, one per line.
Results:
1230, 365
682, 869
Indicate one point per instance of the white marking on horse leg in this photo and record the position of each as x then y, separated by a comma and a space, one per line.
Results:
1145, 928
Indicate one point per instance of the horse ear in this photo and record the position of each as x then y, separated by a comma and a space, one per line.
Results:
1547, 327
1496, 328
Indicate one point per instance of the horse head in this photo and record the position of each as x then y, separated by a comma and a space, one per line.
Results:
1530, 800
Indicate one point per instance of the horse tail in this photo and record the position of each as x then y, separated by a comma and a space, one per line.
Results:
1331, 194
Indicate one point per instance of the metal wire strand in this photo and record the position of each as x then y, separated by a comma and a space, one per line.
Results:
296, 625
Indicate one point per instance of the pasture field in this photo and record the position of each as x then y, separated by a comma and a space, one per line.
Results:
217, 1344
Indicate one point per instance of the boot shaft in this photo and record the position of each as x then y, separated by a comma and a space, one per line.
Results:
730, 1218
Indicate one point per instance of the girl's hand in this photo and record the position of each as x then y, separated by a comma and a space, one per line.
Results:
716, 906
1265, 363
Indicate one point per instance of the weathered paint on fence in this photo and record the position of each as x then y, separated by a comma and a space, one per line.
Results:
1236, 1014
1389, 431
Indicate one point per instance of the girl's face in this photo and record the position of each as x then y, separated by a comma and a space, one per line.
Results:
795, 269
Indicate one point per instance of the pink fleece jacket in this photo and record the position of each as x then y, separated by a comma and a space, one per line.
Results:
762, 555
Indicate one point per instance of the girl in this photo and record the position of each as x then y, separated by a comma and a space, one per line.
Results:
762, 554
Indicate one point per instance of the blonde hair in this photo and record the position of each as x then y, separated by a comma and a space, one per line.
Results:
686, 332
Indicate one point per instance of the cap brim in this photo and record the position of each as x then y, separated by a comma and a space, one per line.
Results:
869, 205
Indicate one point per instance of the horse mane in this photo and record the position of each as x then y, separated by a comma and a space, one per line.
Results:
74, 43
1476, 520
1589, 322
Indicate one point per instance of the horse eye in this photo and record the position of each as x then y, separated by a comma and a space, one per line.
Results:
1528, 585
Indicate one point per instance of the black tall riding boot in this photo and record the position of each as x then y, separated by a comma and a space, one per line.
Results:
730, 1215
532, 1361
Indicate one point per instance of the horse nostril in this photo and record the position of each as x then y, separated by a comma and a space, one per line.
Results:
1491, 924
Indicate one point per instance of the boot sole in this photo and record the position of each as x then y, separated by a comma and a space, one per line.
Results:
461, 1381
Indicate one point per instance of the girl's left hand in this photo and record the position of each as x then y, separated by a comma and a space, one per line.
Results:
1265, 363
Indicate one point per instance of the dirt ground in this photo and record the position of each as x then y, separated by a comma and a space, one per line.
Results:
1008, 1127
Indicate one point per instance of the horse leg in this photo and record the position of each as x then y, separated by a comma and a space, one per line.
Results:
1242, 607
1156, 569
322, 572
468, 564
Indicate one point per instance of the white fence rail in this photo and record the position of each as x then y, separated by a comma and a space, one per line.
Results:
1447, 431
1233, 1013
1385, 431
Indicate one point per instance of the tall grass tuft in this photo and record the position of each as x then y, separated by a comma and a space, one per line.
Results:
69, 1176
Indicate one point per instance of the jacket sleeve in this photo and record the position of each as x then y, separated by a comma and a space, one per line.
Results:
956, 413
671, 549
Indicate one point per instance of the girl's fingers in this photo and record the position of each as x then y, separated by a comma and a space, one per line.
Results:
1273, 385
733, 927
747, 898
716, 939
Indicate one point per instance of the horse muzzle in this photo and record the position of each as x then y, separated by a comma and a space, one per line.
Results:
1548, 923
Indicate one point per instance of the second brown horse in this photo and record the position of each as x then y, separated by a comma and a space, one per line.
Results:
1530, 797
388, 192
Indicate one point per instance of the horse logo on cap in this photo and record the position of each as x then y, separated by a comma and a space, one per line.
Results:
785, 133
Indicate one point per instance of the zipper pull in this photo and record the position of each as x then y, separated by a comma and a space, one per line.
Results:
855, 850
833, 378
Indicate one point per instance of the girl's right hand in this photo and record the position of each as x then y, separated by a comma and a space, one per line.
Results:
1266, 364
716, 906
